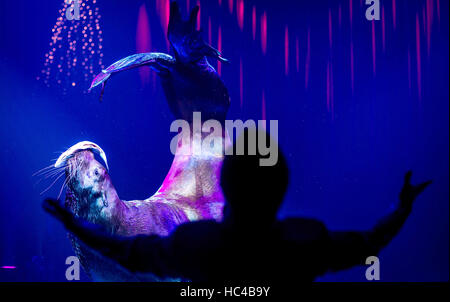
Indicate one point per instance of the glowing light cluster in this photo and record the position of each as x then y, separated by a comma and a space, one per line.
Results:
75, 52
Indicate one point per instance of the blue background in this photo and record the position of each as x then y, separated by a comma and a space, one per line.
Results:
347, 166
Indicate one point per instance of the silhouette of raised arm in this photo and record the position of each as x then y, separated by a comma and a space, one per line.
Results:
142, 253
348, 249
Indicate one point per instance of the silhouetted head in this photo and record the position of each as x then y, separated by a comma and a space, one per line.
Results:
253, 192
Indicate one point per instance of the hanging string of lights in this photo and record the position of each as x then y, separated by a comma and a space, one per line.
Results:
75, 49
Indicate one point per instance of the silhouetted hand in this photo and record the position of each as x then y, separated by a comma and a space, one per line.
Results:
57, 210
72, 223
91, 234
80, 227
410, 192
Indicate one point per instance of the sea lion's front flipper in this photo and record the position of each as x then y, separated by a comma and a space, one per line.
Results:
160, 62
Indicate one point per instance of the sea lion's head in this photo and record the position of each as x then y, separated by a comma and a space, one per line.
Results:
87, 175
90, 193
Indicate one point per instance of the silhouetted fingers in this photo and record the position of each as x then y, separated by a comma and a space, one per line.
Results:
51, 207
408, 177
421, 187
54, 208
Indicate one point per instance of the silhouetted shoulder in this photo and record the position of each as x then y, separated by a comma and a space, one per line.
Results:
302, 229
301, 248
196, 230
195, 236
194, 248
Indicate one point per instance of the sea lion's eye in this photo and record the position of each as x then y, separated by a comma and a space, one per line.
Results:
96, 172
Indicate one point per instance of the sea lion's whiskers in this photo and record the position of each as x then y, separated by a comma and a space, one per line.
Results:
49, 187
62, 187
50, 167
47, 172
52, 173
55, 174
72, 174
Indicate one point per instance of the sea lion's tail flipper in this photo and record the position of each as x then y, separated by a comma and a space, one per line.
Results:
159, 62
186, 40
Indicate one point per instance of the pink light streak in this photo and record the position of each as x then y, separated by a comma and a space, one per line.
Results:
419, 65
429, 24
264, 33
332, 91
394, 14
198, 16
424, 23
254, 22
352, 67
330, 105
8, 267
219, 48
351, 13
308, 58
297, 55
330, 29
409, 72
328, 86
143, 41
163, 11
240, 13
383, 29
286, 50
230, 5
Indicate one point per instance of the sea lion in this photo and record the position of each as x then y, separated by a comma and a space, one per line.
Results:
189, 192
191, 189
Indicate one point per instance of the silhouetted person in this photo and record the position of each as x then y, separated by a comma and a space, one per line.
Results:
250, 244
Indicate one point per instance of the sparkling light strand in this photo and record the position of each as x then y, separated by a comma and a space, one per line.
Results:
75, 47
